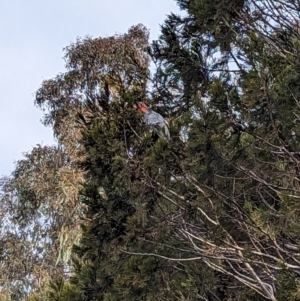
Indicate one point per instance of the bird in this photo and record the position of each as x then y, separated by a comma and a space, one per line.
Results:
155, 120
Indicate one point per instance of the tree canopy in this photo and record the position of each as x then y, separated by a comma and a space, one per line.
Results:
115, 212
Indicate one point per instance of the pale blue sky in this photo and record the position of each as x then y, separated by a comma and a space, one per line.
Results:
32, 36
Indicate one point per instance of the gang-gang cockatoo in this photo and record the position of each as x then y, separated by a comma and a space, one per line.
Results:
155, 120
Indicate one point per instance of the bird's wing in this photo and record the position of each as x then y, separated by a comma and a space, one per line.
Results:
153, 118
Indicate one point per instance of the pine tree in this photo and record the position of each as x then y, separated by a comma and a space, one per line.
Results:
241, 130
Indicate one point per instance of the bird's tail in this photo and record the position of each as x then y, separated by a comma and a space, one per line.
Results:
163, 131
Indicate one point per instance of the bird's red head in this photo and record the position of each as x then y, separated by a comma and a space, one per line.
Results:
142, 107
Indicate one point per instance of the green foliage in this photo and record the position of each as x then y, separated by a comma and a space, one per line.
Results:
211, 214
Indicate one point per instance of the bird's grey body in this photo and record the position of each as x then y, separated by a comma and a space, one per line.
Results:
158, 122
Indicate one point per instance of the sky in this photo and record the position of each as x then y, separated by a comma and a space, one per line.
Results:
33, 34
